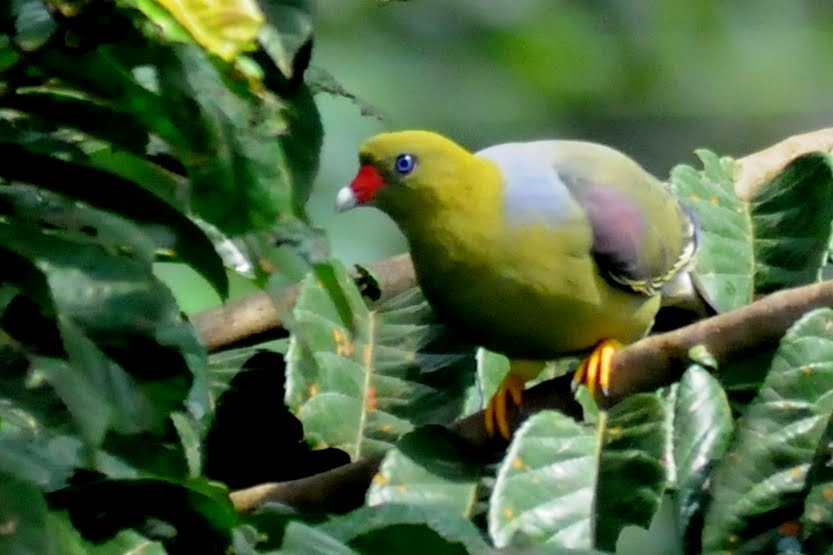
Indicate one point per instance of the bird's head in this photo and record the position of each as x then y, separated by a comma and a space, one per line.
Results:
407, 172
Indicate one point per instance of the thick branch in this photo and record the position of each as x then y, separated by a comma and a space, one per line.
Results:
643, 366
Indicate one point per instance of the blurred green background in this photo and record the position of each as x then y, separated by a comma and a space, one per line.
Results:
656, 79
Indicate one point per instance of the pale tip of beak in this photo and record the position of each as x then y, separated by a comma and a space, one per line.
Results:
345, 199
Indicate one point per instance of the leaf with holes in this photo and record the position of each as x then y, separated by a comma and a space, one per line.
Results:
702, 426
430, 467
780, 238
576, 486
361, 389
765, 469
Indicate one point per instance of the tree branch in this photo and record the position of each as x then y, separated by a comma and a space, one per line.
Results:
650, 363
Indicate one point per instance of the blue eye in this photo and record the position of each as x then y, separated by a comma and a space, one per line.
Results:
405, 163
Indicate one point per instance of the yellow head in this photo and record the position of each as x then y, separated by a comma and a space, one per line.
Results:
408, 173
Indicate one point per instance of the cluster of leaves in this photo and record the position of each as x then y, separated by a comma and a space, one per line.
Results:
140, 130
132, 134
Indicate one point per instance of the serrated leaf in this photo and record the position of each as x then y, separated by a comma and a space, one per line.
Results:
765, 468
817, 518
702, 428
429, 467
779, 238
573, 486
361, 391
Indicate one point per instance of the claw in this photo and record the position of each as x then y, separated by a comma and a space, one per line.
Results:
512, 387
594, 371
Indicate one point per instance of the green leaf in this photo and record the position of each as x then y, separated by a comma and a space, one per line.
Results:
301, 538
791, 217
128, 542
702, 428
289, 30
189, 434
563, 483
817, 519
22, 519
236, 182
407, 527
69, 108
779, 238
153, 221
491, 369
360, 391
114, 317
33, 24
430, 467
44, 462
765, 469
222, 129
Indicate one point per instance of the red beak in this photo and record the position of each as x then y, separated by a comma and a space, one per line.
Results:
361, 190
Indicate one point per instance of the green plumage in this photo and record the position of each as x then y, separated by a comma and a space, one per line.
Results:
537, 277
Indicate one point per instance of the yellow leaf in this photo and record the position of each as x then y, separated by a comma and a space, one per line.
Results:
223, 27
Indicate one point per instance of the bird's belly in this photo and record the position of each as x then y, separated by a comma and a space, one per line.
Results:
538, 310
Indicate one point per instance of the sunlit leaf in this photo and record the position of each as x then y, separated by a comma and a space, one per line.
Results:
779, 238
562, 482
223, 27
429, 467
23, 514
702, 427
361, 391
765, 468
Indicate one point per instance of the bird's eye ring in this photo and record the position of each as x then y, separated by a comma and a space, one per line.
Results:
405, 163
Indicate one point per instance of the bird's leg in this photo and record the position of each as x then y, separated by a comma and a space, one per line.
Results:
512, 387
594, 371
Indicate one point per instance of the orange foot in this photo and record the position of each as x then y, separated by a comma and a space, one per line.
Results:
511, 386
594, 371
